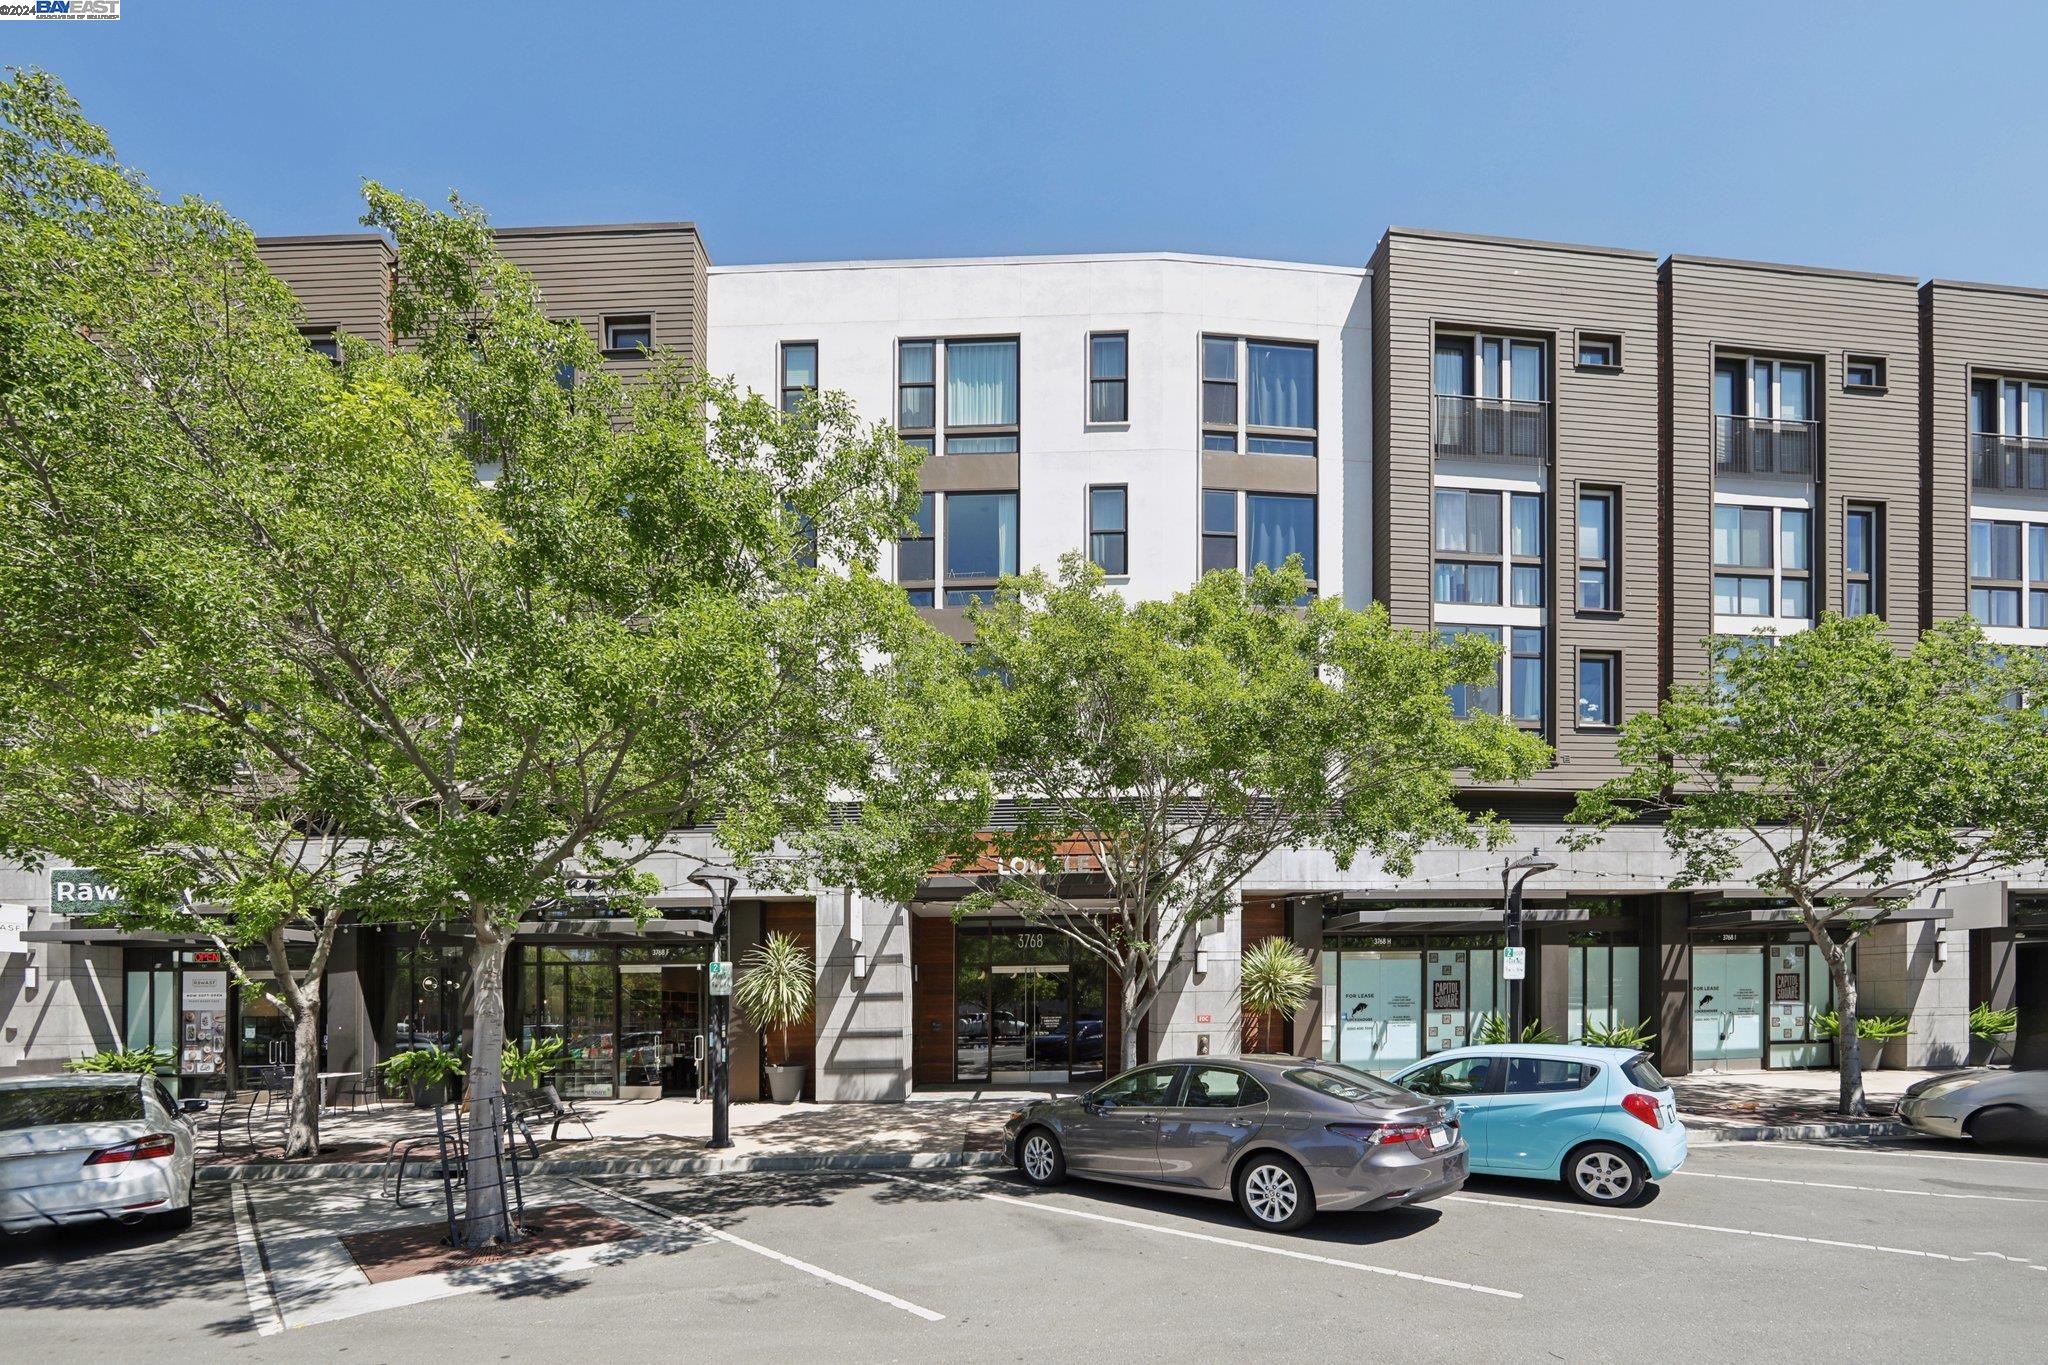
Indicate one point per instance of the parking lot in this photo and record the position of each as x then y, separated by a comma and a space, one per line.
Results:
1754, 1247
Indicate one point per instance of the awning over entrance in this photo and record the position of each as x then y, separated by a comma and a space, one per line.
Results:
1736, 910
1394, 918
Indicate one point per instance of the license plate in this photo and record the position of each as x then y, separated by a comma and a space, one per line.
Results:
1439, 1137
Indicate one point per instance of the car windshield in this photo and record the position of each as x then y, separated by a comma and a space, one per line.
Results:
1643, 1073
1354, 1087
43, 1106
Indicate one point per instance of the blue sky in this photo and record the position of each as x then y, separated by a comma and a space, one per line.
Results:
1874, 136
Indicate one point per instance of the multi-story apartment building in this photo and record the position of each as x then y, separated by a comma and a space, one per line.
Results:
1596, 458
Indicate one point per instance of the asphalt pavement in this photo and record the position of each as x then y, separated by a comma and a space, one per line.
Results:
1779, 1250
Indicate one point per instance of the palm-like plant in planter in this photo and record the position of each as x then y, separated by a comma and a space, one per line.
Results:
776, 985
1274, 977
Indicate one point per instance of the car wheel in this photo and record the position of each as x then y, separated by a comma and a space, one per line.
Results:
2004, 1123
1602, 1173
177, 1220
1273, 1192
1039, 1157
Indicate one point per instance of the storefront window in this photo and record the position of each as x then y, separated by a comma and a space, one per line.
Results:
1372, 1003
1606, 983
426, 1003
1028, 1007
1754, 999
572, 994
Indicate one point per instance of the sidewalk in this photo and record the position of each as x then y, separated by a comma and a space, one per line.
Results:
1739, 1104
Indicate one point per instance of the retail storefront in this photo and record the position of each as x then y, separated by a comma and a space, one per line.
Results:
630, 1016
1029, 1007
1754, 1000
182, 1000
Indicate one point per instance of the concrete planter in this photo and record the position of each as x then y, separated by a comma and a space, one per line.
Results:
1872, 1051
785, 1083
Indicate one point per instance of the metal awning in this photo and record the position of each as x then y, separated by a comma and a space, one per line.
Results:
150, 938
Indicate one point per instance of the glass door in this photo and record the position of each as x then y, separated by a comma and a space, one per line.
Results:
1031, 1022
643, 1050
1379, 1009
682, 1025
1727, 1005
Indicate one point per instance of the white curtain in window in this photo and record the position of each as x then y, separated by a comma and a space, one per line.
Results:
981, 383
1283, 386
1282, 525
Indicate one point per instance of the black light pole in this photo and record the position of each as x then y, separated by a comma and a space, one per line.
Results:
719, 881
1511, 914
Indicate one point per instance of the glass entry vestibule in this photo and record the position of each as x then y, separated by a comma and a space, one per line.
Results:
1028, 1007
630, 1016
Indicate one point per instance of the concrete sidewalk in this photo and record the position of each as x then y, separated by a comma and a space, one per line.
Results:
1736, 1105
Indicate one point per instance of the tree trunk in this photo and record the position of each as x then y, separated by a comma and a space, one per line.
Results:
303, 1137
1136, 1007
487, 1214
1848, 1045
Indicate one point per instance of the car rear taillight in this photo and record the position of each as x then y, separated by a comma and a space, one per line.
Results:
150, 1147
1644, 1107
1383, 1134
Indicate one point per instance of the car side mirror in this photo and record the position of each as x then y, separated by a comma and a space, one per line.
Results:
193, 1106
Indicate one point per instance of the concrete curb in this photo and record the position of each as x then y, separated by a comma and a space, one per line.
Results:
627, 1166
1798, 1132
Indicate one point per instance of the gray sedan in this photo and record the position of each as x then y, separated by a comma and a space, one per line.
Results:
1282, 1136
1987, 1105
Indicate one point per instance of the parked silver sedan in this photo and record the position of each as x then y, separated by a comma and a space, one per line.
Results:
1285, 1137
1986, 1105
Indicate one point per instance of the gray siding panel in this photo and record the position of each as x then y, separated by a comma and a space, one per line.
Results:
1969, 328
1870, 441
1605, 434
593, 273
341, 282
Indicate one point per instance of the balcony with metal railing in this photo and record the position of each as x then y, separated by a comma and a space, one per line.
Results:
1513, 431
2011, 463
1773, 448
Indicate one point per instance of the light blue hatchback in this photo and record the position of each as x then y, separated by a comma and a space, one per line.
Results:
1601, 1119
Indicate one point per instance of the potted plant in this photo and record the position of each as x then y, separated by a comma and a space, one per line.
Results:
525, 1068
1492, 1029
1274, 977
1618, 1035
430, 1075
139, 1061
1994, 1030
775, 988
1873, 1031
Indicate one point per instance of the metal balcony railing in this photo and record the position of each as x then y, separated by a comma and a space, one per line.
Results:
1492, 428
2009, 462
1773, 448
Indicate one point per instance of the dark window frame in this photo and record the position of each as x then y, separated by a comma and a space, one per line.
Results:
974, 587
787, 389
1611, 703
615, 322
324, 342
1872, 575
1122, 533
1877, 363
1315, 530
1607, 566
1121, 382
1611, 340
1234, 536
1237, 435
927, 518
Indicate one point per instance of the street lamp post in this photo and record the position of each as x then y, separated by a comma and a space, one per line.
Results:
1511, 914
719, 881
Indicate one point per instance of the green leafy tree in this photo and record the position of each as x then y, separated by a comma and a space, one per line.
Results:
1157, 752
292, 664
1846, 776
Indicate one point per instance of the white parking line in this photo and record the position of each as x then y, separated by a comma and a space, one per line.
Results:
1860, 1189
255, 1279
1709, 1227
1040, 1206
842, 1281
1821, 1149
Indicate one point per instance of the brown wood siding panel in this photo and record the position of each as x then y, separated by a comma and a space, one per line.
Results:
1382, 481
800, 921
1605, 433
931, 1006
601, 273
1968, 329
1259, 920
342, 283
1870, 441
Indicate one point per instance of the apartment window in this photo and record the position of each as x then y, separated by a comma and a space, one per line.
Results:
1599, 680
1763, 561
1107, 529
1281, 524
323, 342
2009, 407
1275, 414
1863, 372
1862, 560
1521, 680
1482, 366
1473, 563
1765, 389
916, 561
917, 407
1219, 530
1490, 397
799, 372
1597, 527
2009, 573
1599, 351
981, 543
1109, 377
631, 334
